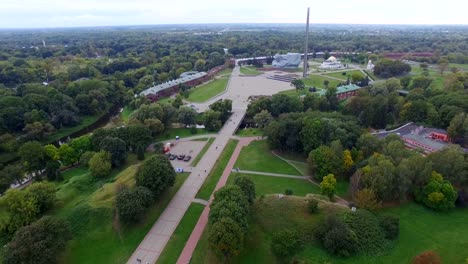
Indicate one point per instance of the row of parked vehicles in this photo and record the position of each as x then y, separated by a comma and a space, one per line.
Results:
179, 157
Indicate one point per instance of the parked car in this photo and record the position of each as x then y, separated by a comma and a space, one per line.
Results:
181, 157
173, 157
187, 158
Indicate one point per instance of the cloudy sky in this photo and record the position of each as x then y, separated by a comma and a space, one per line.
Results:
72, 13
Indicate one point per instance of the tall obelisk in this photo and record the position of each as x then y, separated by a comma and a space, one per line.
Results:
306, 45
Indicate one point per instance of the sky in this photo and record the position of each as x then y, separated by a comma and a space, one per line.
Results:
78, 13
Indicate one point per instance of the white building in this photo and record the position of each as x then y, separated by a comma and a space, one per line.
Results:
331, 63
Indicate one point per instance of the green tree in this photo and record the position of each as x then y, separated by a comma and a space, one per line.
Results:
336, 237
228, 209
32, 156
187, 116
348, 162
285, 244
443, 65
263, 118
226, 238
366, 199
38, 130
117, 149
178, 102
298, 84
224, 107
321, 162
356, 77
332, 100
328, 186
437, 194
52, 152
8, 175
68, 155
450, 163
21, 207
43, 193
139, 137
231, 193
131, 204
81, 144
40, 242
154, 125
282, 103
247, 186
212, 120
100, 164
156, 174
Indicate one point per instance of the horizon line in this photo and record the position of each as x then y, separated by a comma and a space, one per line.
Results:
231, 23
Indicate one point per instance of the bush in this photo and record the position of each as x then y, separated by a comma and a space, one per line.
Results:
285, 244
390, 225
370, 237
131, 204
336, 237
288, 192
312, 206
427, 257
100, 164
86, 157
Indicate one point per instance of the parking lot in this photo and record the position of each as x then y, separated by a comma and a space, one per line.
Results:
191, 148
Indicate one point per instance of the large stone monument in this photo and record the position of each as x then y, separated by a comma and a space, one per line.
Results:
290, 60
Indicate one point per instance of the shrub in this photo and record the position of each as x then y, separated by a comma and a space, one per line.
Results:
427, 257
100, 164
86, 157
312, 206
336, 237
285, 244
370, 237
390, 225
288, 192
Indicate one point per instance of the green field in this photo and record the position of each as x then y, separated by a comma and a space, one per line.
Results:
87, 203
213, 178
202, 152
268, 215
206, 91
317, 81
258, 157
294, 92
438, 80
249, 70
249, 132
226, 71
340, 75
176, 243
420, 229
182, 132
273, 185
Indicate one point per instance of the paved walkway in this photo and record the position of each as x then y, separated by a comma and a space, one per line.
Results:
271, 174
152, 245
187, 252
201, 201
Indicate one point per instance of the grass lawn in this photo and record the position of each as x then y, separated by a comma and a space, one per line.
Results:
176, 243
125, 115
96, 234
182, 132
294, 92
273, 185
420, 229
63, 132
202, 152
212, 179
340, 75
166, 100
317, 81
268, 215
206, 91
249, 132
258, 157
226, 71
249, 70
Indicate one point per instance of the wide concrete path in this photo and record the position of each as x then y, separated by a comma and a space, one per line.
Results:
187, 252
